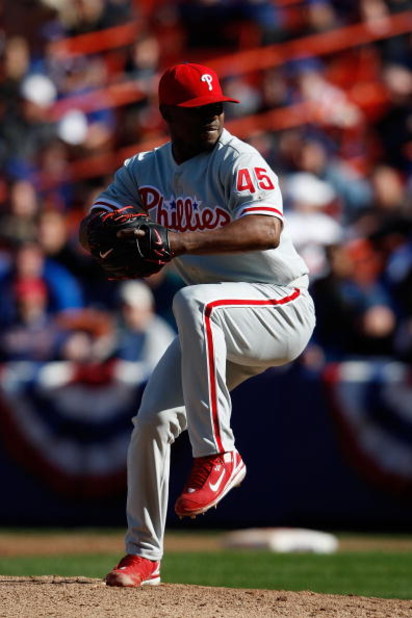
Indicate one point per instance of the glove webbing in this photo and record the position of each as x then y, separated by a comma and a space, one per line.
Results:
122, 217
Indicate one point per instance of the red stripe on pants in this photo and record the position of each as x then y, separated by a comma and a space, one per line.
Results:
211, 366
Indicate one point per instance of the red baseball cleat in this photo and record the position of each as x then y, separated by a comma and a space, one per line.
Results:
134, 571
211, 478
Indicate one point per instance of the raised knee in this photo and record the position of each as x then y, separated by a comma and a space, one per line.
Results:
181, 303
189, 301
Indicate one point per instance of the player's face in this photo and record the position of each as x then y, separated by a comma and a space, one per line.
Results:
194, 129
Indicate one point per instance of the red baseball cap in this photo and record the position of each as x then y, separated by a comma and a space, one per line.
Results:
190, 85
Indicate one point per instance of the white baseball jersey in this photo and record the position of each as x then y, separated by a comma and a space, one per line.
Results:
205, 193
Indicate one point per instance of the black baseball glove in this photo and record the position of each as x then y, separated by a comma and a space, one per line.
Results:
126, 242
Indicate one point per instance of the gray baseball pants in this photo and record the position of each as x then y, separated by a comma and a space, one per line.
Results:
228, 332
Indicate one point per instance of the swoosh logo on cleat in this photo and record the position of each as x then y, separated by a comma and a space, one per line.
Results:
215, 486
105, 254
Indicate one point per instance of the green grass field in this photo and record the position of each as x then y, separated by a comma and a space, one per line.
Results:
372, 573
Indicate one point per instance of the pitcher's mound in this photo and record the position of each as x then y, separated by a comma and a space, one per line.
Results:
75, 597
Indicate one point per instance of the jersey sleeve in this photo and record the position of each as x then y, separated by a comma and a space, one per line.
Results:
122, 191
254, 187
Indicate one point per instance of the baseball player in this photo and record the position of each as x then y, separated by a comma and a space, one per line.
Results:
209, 203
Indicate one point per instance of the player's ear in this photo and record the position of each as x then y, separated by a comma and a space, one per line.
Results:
166, 112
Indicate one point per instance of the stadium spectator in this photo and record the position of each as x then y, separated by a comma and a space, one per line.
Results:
18, 215
143, 59
58, 239
356, 316
90, 130
32, 335
332, 106
393, 128
88, 339
312, 222
354, 191
142, 335
388, 205
322, 16
30, 263
16, 65
83, 16
27, 127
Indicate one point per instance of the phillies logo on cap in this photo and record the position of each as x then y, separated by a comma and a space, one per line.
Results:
191, 85
207, 78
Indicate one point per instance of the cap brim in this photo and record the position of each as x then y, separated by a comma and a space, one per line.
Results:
206, 100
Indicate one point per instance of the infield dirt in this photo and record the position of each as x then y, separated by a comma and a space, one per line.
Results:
65, 597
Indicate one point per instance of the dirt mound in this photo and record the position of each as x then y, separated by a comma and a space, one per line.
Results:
81, 597
62, 597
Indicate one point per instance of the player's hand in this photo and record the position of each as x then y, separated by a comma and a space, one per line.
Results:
126, 243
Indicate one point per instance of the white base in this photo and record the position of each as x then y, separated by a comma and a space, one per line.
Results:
283, 540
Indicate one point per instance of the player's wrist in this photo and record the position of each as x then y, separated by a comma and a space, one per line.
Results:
178, 243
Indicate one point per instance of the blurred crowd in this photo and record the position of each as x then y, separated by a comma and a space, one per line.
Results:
345, 169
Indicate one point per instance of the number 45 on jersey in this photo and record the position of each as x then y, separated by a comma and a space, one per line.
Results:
249, 179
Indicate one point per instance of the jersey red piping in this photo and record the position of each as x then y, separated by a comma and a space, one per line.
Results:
211, 368
270, 209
